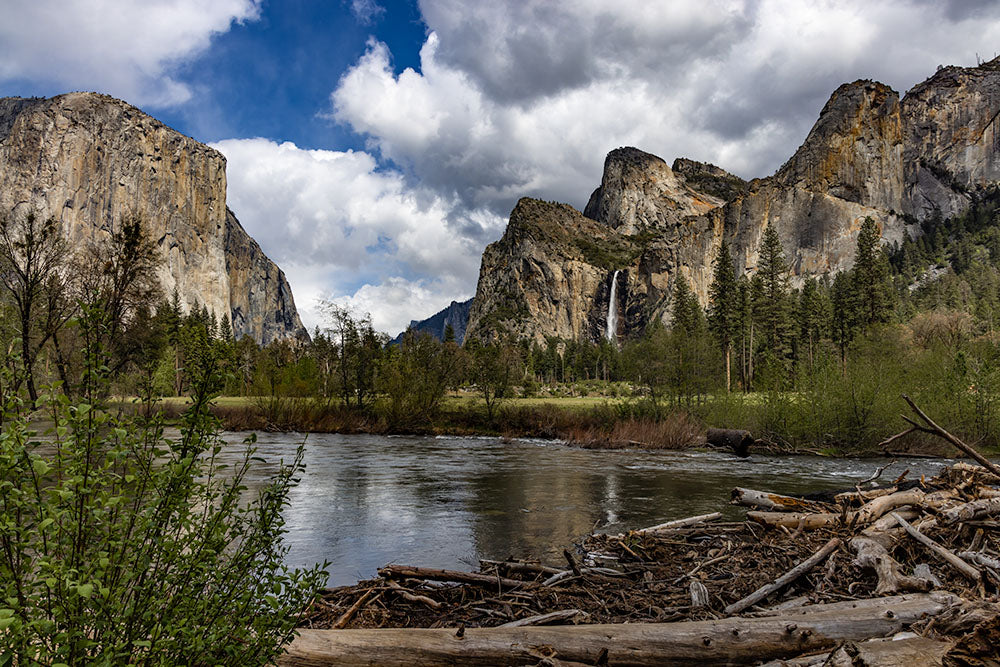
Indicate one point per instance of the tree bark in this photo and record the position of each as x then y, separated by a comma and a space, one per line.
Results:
732, 641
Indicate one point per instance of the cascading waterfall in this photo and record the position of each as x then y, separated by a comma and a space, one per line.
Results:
612, 321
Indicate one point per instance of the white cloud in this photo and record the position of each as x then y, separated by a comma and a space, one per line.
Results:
367, 11
344, 230
526, 98
127, 48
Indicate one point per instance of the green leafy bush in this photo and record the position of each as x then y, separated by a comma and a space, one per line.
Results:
121, 545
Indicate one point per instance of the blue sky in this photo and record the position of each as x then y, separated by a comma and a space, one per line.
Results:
374, 148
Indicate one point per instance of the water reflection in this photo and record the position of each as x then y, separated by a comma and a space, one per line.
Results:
365, 501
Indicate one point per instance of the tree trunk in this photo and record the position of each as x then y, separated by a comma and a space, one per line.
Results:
731, 641
729, 349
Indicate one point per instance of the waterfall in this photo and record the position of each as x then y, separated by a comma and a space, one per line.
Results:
612, 330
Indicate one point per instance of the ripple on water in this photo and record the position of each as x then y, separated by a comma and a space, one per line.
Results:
365, 500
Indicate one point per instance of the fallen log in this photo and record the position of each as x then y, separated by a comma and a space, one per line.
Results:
887, 652
407, 572
969, 571
869, 512
977, 509
731, 641
793, 520
544, 619
771, 501
871, 554
785, 579
981, 559
680, 523
848, 497
876, 507
737, 440
517, 566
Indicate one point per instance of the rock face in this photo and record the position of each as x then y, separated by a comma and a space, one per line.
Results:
870, 154
456, 315
88, 160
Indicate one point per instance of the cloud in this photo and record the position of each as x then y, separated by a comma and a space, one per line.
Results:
345, 230
367, 11
127, 48
526, 98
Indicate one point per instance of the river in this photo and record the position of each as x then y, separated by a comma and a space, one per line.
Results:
365, 501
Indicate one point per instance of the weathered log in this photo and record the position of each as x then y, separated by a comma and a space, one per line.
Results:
869, 512
785, 579
406, 572
969, 571
544, 619
977, 509
876, 507
771, 501
795, 519
887, 652
871, 554
731, 641
737, 440
981, 559
518, 566
680, 523
848, 497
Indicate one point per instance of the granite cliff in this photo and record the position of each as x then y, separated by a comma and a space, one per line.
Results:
87, 160
871, 154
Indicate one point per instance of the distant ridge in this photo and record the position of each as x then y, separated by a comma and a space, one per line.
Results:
456, 314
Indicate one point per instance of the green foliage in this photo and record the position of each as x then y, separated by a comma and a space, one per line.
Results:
415, 375
121, 545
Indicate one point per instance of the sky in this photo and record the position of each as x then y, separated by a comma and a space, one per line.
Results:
374, 148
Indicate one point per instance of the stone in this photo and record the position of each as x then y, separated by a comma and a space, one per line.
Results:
88, 160
870, 154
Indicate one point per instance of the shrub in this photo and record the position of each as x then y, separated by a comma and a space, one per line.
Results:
120, 545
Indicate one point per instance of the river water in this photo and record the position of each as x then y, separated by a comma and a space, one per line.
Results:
365, 501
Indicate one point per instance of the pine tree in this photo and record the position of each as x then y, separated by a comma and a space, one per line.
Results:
449, 333
845, 314
812, 319
774, 305
685, 310
723, 317
870, 277
226, 329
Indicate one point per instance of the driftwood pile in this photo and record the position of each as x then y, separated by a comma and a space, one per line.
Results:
886, 573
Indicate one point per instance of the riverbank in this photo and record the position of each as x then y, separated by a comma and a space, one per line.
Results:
801, 578
588, 421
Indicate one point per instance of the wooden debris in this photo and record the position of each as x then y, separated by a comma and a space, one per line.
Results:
939, 551
545, 619
406, 572
680, 523
728, 641
770, 501
784, 579
699, 595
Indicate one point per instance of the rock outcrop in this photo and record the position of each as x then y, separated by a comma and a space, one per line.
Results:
88, 160
455, 315
870, 154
